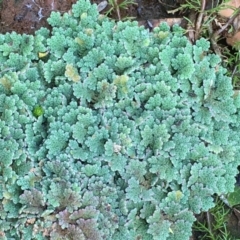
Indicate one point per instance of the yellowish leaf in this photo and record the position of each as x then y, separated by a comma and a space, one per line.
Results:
79, 41
121, 82
71, 73
178, 195
6, 83
43, 54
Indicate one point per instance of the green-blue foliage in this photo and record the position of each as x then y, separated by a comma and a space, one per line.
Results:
117, 134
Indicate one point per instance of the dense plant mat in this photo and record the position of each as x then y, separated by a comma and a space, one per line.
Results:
109, 131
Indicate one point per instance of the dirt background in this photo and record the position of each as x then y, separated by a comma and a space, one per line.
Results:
26, 16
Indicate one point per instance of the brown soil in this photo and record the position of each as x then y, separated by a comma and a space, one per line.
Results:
26, 16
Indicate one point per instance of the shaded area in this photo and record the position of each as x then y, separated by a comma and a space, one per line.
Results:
26, 16
143, 9
155, 9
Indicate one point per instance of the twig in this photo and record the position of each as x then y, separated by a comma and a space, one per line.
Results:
117, 9
213, 41
234, 71
190, 27
199, 19
215, 35
7, 69
174, 10
229, 22
209, 222
165, 4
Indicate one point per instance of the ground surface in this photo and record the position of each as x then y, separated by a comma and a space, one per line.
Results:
26, 16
